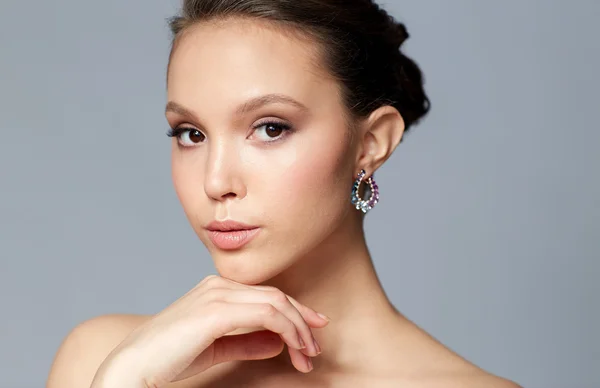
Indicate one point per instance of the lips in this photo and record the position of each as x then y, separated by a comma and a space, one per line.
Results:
230, 235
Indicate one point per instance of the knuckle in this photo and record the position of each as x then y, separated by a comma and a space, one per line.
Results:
279, 297
209, 282
270, 288
289, 327
211, 279
268, 310
292, 327
213, 294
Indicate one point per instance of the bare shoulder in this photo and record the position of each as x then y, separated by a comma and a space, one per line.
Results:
471, 376
454, 380
479, 379
491, 381
86, 346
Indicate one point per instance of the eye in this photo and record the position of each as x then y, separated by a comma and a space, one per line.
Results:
187, 137
271, 131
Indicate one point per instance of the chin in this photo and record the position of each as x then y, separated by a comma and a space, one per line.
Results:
249, 266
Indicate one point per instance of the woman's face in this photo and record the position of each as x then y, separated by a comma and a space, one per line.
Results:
263, 142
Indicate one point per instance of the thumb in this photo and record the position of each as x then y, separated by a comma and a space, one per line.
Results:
257, 345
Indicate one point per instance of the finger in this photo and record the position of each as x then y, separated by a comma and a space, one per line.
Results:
280, 301
231, 316
300, 361
311, 317
258, 345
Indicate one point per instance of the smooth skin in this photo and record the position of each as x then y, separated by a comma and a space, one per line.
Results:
226, 80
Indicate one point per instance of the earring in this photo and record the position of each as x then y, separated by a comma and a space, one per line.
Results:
357, 201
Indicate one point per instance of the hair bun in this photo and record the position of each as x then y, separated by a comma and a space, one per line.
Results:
400, 34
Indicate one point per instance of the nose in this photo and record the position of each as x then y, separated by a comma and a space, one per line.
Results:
223, 179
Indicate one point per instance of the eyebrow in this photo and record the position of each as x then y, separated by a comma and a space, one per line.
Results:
248, 106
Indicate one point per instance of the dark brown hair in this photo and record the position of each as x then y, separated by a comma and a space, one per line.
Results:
360, 45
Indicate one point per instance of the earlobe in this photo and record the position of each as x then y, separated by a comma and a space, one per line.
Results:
381, 134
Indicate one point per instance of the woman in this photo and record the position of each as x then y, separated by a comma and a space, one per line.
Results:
280, 113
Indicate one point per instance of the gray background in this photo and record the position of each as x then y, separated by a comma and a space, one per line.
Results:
486, 234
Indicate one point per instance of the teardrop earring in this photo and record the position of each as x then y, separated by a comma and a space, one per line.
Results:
357, 201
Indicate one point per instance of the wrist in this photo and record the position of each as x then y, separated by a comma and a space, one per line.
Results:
117, 372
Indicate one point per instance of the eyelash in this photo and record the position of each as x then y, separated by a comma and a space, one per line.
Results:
176, 132
287, 129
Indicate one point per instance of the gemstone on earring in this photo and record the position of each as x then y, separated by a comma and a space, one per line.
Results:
357, 201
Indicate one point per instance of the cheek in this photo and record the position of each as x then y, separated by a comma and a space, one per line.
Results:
187, 181
312, 192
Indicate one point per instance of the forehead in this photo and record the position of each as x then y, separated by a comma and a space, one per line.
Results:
244, 58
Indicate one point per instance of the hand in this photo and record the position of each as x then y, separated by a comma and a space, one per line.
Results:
191, 335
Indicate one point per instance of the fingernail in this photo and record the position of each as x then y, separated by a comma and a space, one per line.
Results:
324, 317
309, 363
317, 346
302, 344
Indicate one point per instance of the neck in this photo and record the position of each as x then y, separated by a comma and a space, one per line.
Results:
339, 280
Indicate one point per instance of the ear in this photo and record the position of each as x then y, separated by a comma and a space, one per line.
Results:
380, 133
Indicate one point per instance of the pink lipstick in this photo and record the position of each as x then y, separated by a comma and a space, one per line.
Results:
230, 235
